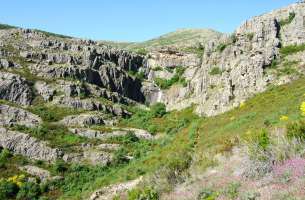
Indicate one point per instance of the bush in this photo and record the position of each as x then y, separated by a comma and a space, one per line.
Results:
52, 113
288, 20
250, 36
263, 139
158, 68
232, 190
60, 166
119, 156
158, 110
4, 155
142, 51
130, 138
221, 47
215, 71
143, 194
29, 191
177, 78
296, 130
207, 194
7, 189
292, 49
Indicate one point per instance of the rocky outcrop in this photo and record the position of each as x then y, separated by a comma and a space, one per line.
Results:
111, 78
44, 90
42, 174
11, 116
90, 105
113, 190
23, 144
115, 132
91, 156
234, 68
170, 57
6, 64
83, 120
15, 89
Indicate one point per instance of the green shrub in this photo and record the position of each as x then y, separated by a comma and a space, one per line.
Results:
57, 135
288, 20
177, 78
296, 130
142, 51
232, 190
5, 154
233, 38
140, 76
59, 166
221, 47
274, 64
29, 191
143, 194
250, 36
7, 189
215, 71
129, 138
207, 194
158, 110
292, 49
263, 139
119, 156
158, 68
250, 195
52, 113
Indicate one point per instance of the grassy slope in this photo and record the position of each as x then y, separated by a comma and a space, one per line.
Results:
178, 38
210, 135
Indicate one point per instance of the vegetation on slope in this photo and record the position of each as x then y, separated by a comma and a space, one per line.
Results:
176, 79
183, 39
186, 134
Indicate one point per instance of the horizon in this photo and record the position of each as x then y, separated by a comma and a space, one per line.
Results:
91, 23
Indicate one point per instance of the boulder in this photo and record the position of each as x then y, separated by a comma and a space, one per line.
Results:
12, 116
15, 89
21, 143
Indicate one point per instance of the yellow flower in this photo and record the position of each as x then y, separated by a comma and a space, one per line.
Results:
18, 180
302, 108
284, 118
241, 105
19, 184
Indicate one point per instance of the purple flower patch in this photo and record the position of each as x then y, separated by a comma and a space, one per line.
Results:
295, 167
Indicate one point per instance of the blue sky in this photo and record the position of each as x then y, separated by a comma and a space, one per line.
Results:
131, 20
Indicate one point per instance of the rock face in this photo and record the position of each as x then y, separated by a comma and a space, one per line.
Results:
115, 132
234, 68
42, 174
92, 156
83, 120
45, 90
25, 145
15, 89
12, 116
90, 105
172, 58
111, 191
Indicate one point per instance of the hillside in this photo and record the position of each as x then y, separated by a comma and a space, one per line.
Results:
181, 39
163, 119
